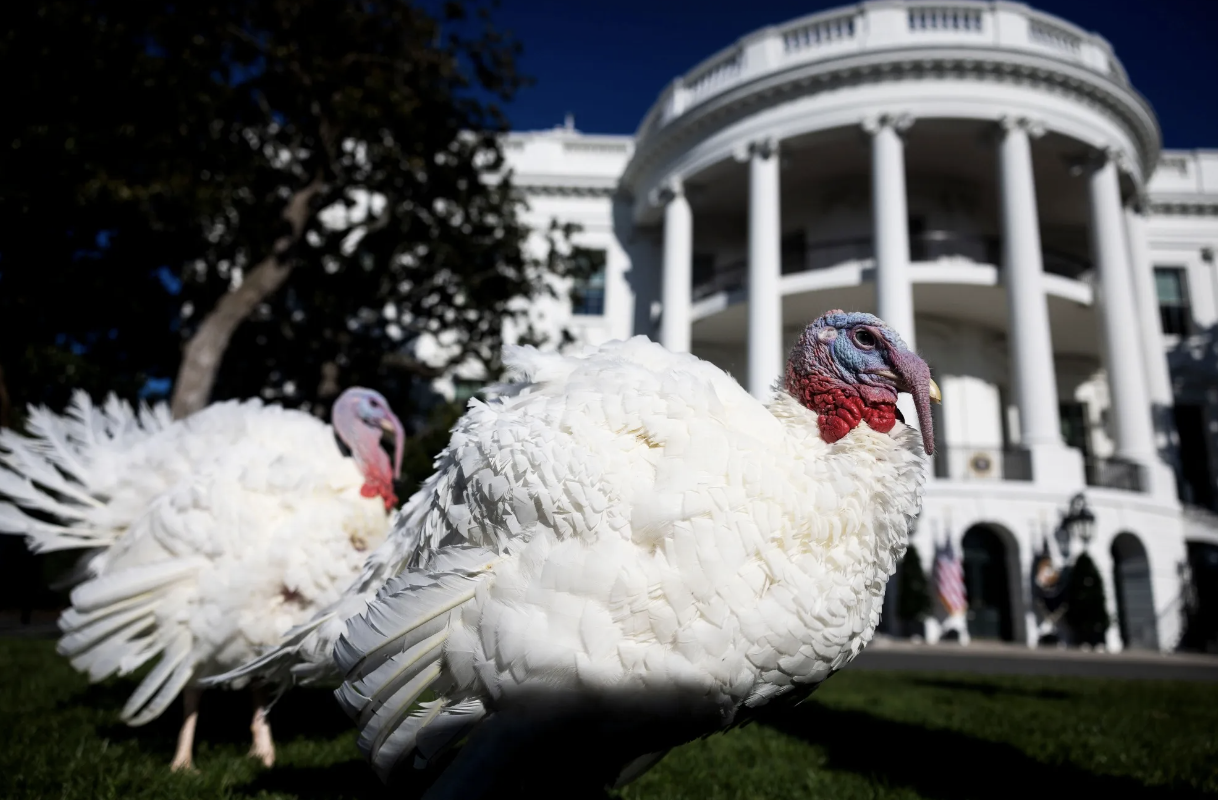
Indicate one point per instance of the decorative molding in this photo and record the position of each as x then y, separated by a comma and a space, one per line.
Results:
1035, 128
1095, 158
668, 190
763, 147
658, 143
1139, 203
1120, 158
1185, 208
900, 122
557, 190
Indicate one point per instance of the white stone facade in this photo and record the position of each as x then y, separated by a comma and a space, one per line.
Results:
984, 178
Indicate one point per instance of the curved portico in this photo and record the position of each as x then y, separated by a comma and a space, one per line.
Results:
881, 95
979, 175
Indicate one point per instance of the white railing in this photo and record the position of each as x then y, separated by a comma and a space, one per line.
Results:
611, 148
715, 77
1054, 36
817, 33
945, 18
877, 27
1177, 164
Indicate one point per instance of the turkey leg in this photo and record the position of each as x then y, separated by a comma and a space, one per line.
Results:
263, 748
186, 737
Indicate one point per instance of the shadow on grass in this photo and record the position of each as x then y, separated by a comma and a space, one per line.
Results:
991, 690
354, 777
946, 764
224, 716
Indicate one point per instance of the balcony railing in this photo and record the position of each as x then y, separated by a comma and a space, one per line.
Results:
730, 278
1115, 473
929, 246
878, 27
983, 463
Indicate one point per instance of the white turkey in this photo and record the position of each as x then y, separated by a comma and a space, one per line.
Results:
626, 551
206, 538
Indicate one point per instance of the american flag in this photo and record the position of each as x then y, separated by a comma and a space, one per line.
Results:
949, 581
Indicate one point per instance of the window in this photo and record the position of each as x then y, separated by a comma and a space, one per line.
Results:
1196, 484
588, 292
917, 239
1074, 426
703, 268
1172, 287
794, 249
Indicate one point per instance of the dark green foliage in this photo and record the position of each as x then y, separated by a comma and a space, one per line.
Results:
419, 454
913, 590
1086, 612
873, 735
147, 134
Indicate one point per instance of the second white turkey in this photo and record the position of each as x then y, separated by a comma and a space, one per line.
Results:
206, 538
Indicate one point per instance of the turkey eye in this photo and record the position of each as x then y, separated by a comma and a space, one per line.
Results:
864, 338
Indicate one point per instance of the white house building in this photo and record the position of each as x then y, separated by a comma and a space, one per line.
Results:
984, 178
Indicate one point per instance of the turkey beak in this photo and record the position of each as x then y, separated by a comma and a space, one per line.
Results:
392, 424
913, 376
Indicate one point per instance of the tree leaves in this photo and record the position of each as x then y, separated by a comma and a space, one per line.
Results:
146, 135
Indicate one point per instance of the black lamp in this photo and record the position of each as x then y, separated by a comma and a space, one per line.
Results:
1079, 521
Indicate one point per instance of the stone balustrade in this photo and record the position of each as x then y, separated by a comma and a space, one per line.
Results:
877, 26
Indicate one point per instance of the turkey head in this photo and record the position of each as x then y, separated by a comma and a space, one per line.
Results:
849, 368
360, 417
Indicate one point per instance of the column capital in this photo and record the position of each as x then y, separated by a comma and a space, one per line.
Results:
1139, 203
762, 147
1033, 127
899, 121
1096, 158
668, 190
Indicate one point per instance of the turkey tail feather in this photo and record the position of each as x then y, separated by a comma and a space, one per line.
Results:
112, 627
283, 665
49, 473
393, 653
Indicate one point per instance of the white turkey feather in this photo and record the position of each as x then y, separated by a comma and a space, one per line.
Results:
391, 655
650, 528
206, 539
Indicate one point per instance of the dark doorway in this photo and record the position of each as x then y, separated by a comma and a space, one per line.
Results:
1196, 486
1074, 427
987, 584
1135, 600
1201, 621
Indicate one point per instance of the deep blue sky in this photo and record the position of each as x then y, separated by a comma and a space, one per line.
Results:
606, 62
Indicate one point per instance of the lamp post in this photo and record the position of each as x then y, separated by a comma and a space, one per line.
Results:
1079, 521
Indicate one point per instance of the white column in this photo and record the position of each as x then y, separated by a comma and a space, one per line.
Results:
1119, 329
890, 225
678, 270
1154, 353
893, 289
1032, 373
765, 300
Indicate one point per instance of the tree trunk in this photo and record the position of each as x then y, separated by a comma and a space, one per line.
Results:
203, 353
6, 407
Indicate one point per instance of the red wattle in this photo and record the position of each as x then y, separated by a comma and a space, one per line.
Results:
385, 490
838, 406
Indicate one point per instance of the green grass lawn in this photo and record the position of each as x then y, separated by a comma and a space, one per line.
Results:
864, 735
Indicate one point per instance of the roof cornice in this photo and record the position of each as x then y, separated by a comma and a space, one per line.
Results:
982, 64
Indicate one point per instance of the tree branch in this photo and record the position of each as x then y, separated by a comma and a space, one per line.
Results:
205, 350
412, 365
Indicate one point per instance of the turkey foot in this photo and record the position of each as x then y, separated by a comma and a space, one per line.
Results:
182, 760
263, 748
